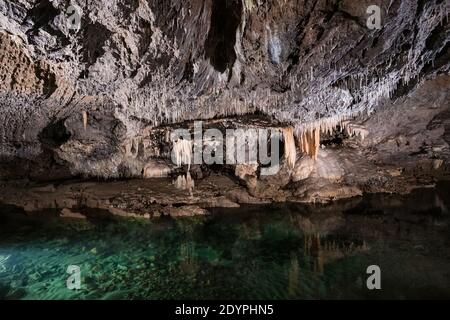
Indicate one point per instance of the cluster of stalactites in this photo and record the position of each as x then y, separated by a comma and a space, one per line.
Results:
305, 136
308, 135
354, 130
182, 152
309, 142
325, 125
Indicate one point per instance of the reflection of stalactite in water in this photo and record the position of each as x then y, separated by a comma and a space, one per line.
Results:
316, 252
440, 204
251, 230
322, 251
188, 264
294, 277
307, 245
312, 248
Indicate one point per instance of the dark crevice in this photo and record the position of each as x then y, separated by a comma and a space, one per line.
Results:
294, 56
440, 60
42, 14
146, 36
48, 78
437, 37
219, 46
54, 134
420, 7
94, 37
188, 73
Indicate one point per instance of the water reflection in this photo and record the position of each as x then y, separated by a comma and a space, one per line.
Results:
287, 251
293, 277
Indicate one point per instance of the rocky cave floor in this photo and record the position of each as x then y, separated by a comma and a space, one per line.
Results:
338, 173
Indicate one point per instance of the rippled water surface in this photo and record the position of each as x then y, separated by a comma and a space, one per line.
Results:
260, 252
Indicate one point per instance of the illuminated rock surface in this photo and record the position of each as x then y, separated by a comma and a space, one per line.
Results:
101, 101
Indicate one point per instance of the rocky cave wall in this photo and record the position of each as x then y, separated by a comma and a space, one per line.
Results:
79, 101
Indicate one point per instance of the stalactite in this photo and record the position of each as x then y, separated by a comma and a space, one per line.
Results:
308, 135
85, 119
290, 151
182, 150
354, 130
132, 147
309, 142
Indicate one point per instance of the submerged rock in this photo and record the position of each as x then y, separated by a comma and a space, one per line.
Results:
67, 213
186, 211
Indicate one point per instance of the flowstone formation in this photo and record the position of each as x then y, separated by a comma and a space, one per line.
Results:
95, 89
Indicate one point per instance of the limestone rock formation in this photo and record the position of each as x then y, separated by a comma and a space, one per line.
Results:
100, 97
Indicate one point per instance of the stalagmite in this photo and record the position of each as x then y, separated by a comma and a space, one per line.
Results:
185, 182
189, 182
180, 183
290, 152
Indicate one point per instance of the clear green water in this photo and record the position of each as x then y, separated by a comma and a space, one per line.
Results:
273, 252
